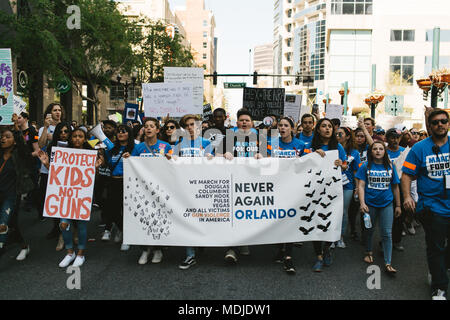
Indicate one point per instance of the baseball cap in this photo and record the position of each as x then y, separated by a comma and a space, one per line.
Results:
393, 132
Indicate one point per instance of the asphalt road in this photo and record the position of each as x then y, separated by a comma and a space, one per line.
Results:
109, 273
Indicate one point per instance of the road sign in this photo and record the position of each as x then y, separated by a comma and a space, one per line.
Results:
234, 85
394, 105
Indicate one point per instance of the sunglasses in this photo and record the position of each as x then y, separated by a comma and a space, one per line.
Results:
122, 131
64, 131
170, 127
436, 122
423, 134
340, 134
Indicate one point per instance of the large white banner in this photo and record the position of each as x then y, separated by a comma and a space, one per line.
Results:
200, 202
193, 76
161, 99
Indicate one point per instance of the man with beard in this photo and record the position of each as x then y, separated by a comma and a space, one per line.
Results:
216, 133
429, 163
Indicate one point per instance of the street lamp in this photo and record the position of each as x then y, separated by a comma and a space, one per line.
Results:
373, 99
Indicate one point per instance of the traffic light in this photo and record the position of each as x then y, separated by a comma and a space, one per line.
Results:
255, 78
215, 78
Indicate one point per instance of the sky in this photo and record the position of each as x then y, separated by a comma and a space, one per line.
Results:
240, 25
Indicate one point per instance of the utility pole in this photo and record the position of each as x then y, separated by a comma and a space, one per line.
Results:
435, 62
373, 106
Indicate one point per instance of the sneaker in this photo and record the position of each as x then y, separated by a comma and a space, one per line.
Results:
403, 233
124, 247
318, 266
189, 262
106, 235
157, 256
245, 251
118, 237
230, 256
95, 205
341, 244
23, 254
398, 247
143, 259
289, 266
67, 260
439, 295
327, 259
279, 258
415, 224
411, 230
79, 260
60, 244
333, 245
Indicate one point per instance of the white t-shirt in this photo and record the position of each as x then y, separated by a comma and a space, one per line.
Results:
51, 130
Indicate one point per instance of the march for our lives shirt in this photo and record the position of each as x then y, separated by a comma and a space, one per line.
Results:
429, 169
341, 150
242, 145
193, 148
159, 149
353, 162
293, 149
116, 161
395, 154
379, 181
306, 140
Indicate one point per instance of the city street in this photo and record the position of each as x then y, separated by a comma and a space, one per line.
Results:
111, 274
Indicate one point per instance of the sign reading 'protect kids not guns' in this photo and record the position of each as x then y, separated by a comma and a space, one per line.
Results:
70, 184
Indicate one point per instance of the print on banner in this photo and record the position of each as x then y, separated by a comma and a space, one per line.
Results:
379, 180
437, 167
6, 87
70, 184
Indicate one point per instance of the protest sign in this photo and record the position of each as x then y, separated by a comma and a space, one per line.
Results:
19, 105
230, 203
6, 87
292, 106
263, 101
70, 184
175, 99
130, 112
334, 111
193, 76
207, 112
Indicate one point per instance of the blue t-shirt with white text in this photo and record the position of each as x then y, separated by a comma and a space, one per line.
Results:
280, 149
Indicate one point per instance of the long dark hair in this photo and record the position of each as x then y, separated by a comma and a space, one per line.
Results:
350, 143
317, 141
363, 146
57, 135
386, 161
291, 123
86, 145
163, 133
130, 143
49, 109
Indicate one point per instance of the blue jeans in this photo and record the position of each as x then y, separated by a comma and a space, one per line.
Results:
190, 252
82, 233
348, 195
7, 205
386, 216
437, 230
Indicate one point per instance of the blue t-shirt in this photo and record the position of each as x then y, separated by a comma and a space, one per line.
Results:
159, 149
394, 155
306, 140
353, 162
112, 161
379, 181
340, 148
295, 148
423, 163
193, 148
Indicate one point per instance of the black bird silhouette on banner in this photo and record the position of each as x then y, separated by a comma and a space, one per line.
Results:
324, 228
324, 216
306, 231
309, 218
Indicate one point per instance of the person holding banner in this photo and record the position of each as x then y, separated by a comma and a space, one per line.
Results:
324, 139
151, 147
193, 146
169, 132
378, 188
286, 146
345, 138
15, 180
123, 146
78, 140
307, 124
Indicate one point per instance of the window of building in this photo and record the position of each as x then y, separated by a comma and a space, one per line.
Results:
402, 35
351, 7
289, 42
205, 23
289, 27
444, 62
205, 34
204, 56
204, 66
444, 36
289, 13
311, 41
402, 68
205, 45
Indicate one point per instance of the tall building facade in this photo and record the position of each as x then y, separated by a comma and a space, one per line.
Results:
200, 25
340, 40
263, 64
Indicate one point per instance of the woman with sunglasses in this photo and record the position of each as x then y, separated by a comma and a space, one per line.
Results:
151, 147
286, 146
325, 140
378, 188
124, 144
423, 135
169, 132
78, 140
345, 138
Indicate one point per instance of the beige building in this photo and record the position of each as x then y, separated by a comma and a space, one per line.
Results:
263, 64
200, 24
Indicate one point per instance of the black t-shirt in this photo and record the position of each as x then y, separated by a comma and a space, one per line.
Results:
30, 136
7, 176
243, 145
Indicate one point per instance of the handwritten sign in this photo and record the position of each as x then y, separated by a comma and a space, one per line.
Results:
292, 106
163, 98
70, 184
264, 101
6, 87
193, 76
19, 105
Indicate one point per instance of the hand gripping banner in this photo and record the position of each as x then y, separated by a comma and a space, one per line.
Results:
219, 203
